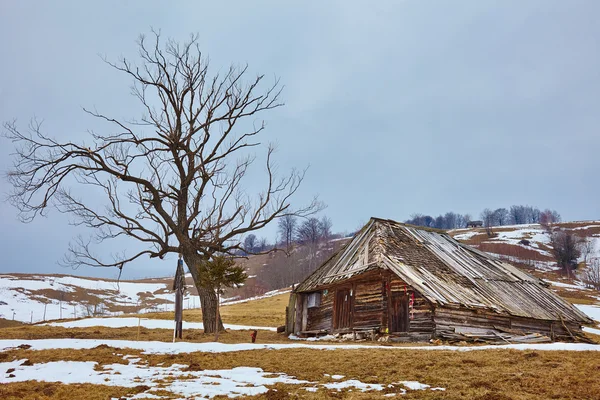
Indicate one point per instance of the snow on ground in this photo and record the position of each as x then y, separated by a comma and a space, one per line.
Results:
148, 347
239, 381
146, 323
466, 235
576, 286
272, 293
19, 299
312, 339
591, 330
178, 379
533, 233
591, 311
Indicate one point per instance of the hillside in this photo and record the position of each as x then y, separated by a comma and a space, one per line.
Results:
529, 247
36, 297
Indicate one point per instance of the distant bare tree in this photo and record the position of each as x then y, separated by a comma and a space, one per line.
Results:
501, 216
287, 229
325, 228
487, 216
466, 218
262, 244
517, 215
549, 217
566, 248
172, 181
308, 234
591, 274
309, 231
587, 248
250, 243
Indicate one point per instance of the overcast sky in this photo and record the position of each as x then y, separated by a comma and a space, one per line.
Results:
398, 107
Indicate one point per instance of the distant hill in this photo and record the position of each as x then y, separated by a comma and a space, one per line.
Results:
38, 297
529, 247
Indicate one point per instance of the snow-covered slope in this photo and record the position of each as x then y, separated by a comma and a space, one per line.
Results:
529, 244
33, 298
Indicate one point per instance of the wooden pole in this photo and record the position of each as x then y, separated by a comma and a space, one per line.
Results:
218, 301
45, 305
138, 332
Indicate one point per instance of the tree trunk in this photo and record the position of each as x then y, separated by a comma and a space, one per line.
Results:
217, 330
208, 297
208, 303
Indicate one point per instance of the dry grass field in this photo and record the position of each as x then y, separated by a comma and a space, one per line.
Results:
269, 311
489, 375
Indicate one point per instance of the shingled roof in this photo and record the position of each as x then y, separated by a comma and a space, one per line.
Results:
444, 271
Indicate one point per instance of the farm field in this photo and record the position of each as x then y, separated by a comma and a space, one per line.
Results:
101, 362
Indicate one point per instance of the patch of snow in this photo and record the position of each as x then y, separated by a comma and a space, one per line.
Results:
146, 323
592, 311
414, 385
466, 235
239, 381
264, 296
312, 339
577, 286
353, 383
591, 330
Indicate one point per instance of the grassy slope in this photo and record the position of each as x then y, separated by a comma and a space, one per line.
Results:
269, 311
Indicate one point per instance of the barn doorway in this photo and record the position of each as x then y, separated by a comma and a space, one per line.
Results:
399, 317
343, 305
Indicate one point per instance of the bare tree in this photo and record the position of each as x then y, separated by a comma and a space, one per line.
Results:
309, 232
587, 248
591, 274
487, 216
287, 228
325, 228
501, 216
262, 244
250, 243
309, 235
173, 180
566, 248
549, 217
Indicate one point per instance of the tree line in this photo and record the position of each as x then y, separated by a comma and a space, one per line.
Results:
514, 215
309, 232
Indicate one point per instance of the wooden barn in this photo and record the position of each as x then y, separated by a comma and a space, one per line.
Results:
406, 283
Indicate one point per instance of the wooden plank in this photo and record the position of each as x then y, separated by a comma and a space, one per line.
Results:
290, 314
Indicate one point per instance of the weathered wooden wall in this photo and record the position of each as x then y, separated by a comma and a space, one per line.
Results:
371, 294
370, 298
368, 303
447, 319
421, 321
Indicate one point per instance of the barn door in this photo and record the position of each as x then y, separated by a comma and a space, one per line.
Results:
343, 304
399, 317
